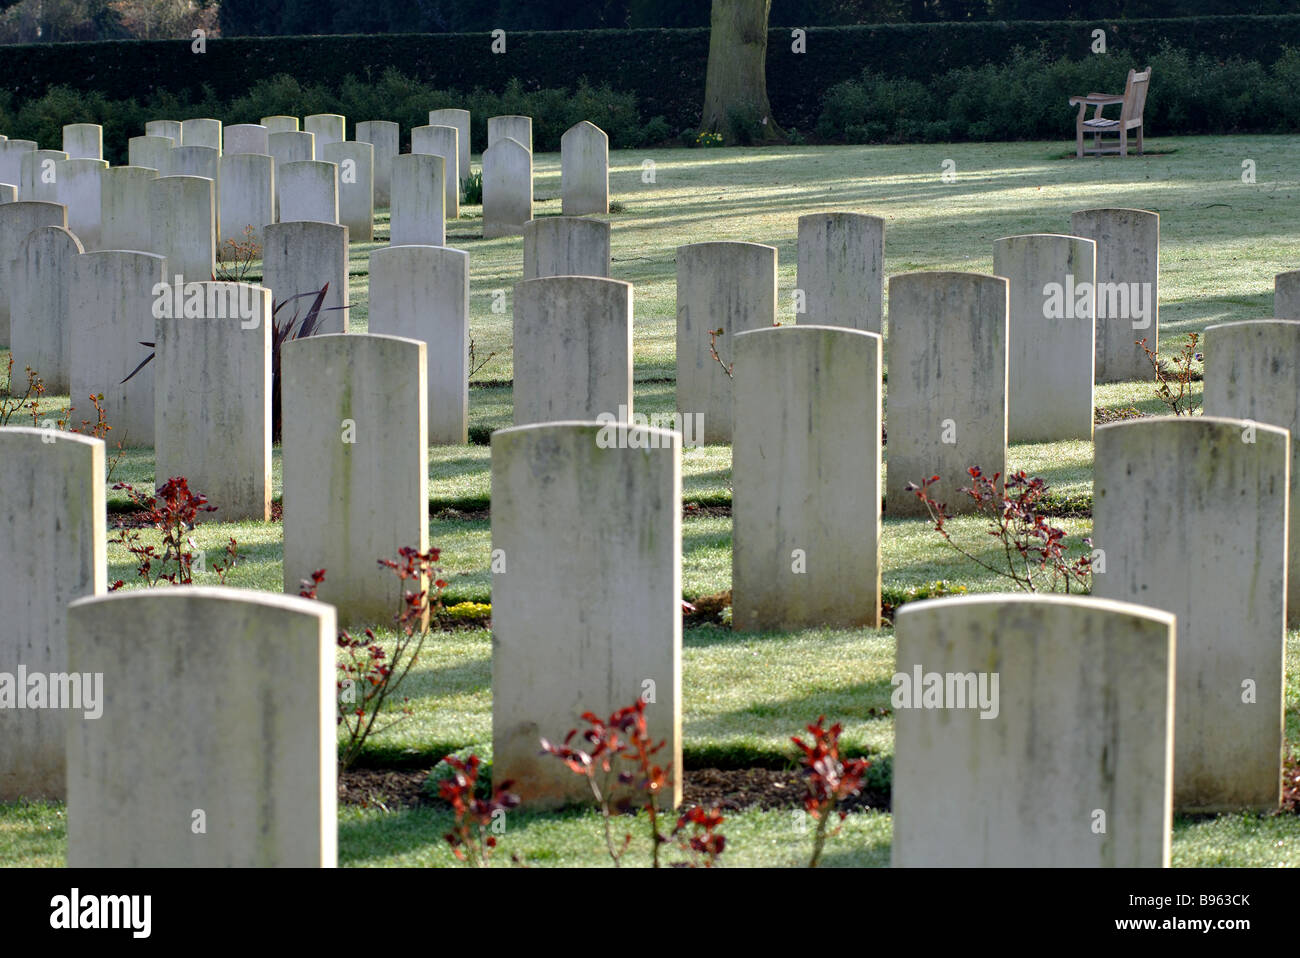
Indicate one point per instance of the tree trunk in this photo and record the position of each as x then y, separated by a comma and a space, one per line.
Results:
735, 86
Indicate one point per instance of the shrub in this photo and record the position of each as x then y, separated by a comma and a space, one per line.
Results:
471, 189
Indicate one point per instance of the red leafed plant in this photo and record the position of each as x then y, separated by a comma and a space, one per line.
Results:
173, 512
470, 840
13, 403
828, 778
696, 835
1034, 556
621, 754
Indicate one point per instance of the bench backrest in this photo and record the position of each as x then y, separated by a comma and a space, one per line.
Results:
1135, 95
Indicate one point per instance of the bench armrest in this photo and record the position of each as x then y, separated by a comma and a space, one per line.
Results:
1096, 99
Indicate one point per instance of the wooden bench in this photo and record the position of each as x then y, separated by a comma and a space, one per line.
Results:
1130, 115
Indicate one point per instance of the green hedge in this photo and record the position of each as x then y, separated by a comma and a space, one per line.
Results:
664, 69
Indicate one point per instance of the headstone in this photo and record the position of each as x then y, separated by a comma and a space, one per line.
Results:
806, 479
80, 190
422, 292
1063, 763
40, 303
442, 141
11, 159
247, 196
1250, 373
460, 120
566, 246
51, 514
729, 286
83, 141
603, 622
16, 221
1127, 295
220, 711
151, 152
1050, 340
418, 216
947, 386
326, 127
1286, 295
8, 193
385, 137
572, 349
174, 130
507, 188
289, 147
517, 128
182, 226
355, 467
39, 179
124, 207
245, 138
200, 131
356, 187
279, 124
300, 258
309, 190
584, 170
112, 302
212, 397
1228, 487
194, 161
841, 270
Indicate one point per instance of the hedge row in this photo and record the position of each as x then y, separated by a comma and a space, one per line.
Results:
663, 69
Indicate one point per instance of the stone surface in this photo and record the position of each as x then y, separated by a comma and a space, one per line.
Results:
8, 193
385, 137
172, 129
212, 398
11, 158
356, 186
418, 216
1065, 764
308, 190
247, 196
507, 188
150, 152
1211, 549
841, 271
245, 138
112, 302
40, 318
572, 349
460, 120
1250, 373
300, 258
326, 127
194, 161
247, 684
199, 131
442, 141
1050, 335
600, 619
806, 479
355, 467
80, 190
38, 179
83, 141
947, 385
52, 514
16, 221
422, 292
584, 170
729, 286
1286, 295
124, 207
182, 226
280, 124
566, 246
289, 147
1128, 252
517, 128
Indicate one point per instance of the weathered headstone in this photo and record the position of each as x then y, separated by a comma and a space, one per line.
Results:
279, 124
355, 467
1050, 340
947, 385
11, 159
1286, 295
507, 188
572, 349
212, 396
566, 246
8, 193
83, 141
584, 170
124, 207
51, 514
841, 271
356, 186
309, 190
244, 138
460, 120
39, 179
300, 258
422, 292
289, 147
182, 226
517, 128
240, 771
1127, 294
150, 152
40, 303
326, 127
1055, 714
174, 130
200, 131
806, 478
247, 196
418, 216
16, 221
385, 137
80, 184
729, 286
442, 141
1230, 599
603, 622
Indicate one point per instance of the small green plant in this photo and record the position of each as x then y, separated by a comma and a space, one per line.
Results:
1181, 376
707, 139
892, 598
617, 206
471, 189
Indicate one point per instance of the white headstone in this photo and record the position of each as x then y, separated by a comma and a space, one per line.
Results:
460, 120
151, 152
40, 304
584, 170
507, 188
193, 161
200, 131
174, 130
16, 221
517, 128
841, 271
289, 147
39, 178
124, 207
442, 141
247, 196
279, 124
309, 190
245, 138
83, 141
385, 137
182, 226
1127, 297
300, 258
11, 159
8, 193
326, 127
1286, 295
418, 216
80, 190
356, 186
566, 246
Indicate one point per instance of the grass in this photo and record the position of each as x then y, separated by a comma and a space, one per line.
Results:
1222, 242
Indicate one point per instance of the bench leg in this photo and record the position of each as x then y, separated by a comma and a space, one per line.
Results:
1139, 141
1078, 142
1123, 142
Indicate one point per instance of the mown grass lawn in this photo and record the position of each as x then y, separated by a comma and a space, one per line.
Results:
1222, 241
